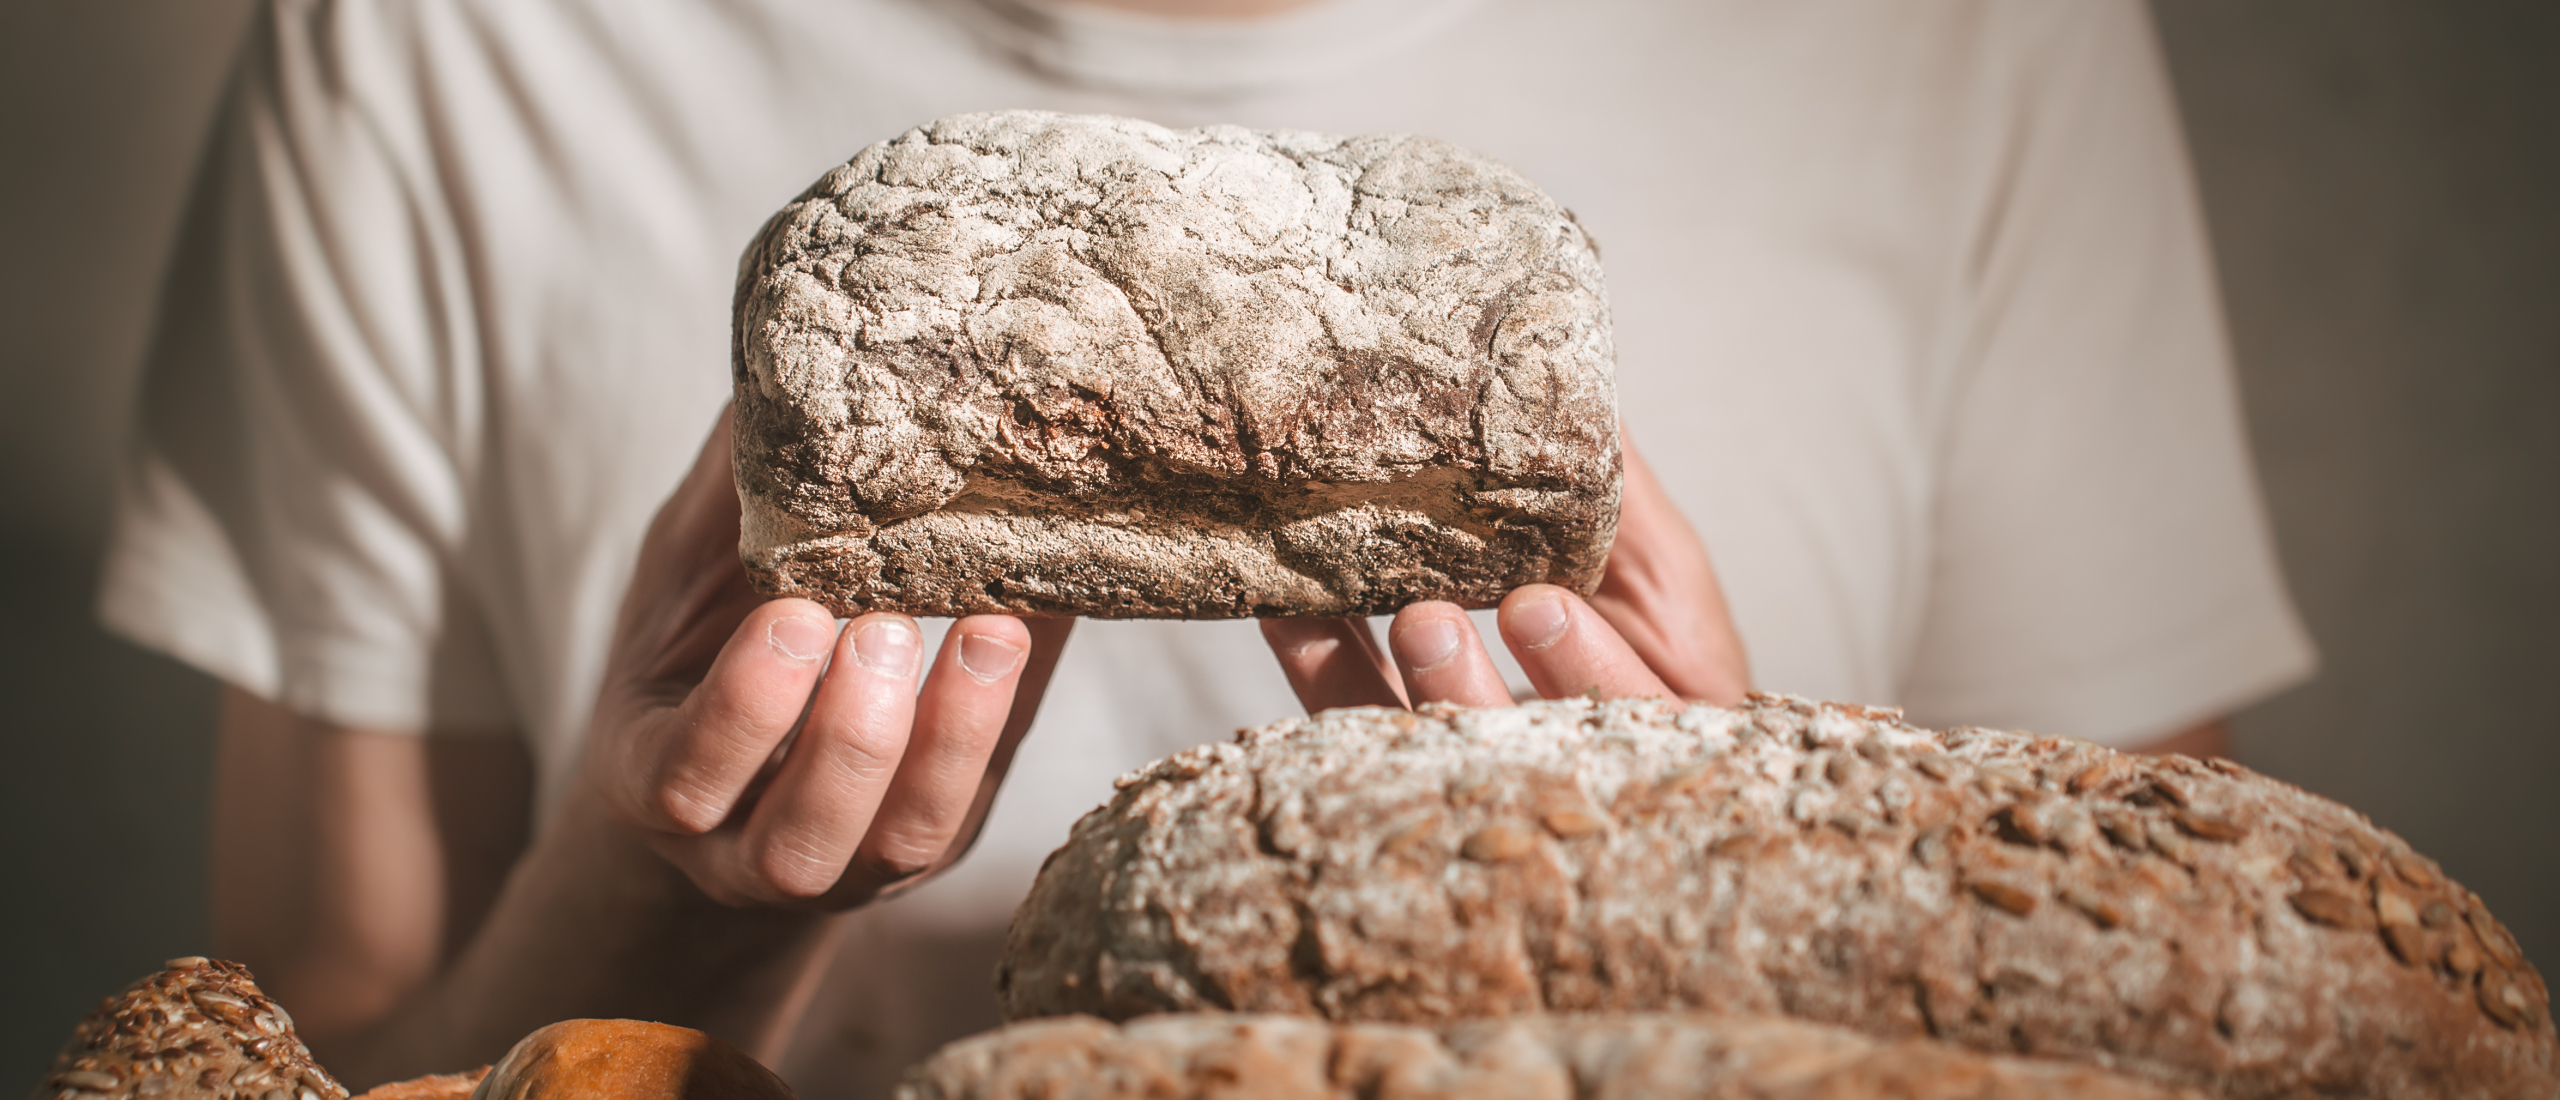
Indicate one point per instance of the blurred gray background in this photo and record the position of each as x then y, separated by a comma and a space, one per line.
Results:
2384, 184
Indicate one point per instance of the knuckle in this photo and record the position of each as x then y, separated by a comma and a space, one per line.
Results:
677, 805
897, 860
862, 757
790, 870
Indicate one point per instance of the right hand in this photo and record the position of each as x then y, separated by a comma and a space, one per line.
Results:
882, 786
1658, 626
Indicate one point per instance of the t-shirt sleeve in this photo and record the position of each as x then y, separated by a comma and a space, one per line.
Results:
2102, 564
294, 510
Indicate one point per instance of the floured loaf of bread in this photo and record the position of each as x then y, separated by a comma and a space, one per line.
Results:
2195, 925
1653, 1057
1029, 362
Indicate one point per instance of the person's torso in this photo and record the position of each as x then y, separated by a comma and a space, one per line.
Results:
1782, 192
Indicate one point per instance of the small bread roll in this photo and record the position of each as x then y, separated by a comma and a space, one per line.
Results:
627, 1060
199, 1030
434, 1086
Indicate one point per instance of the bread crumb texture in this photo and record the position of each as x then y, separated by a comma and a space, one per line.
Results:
2190, 923
1031, 362
1653, 1057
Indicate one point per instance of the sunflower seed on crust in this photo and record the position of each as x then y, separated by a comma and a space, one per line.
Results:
2322, 905
2407, 943
1573, 824
2099, 910
2210, 827
1497, 843
2506, 1000
2461, 958
2003, 896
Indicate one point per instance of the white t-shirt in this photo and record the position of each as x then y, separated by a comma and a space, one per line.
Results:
1912, 305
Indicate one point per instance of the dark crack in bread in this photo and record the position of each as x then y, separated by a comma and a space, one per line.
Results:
1070, 364
199, 1030
2194, 924
1652, 1057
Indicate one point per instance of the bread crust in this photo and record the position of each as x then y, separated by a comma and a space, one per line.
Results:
1059, 364
1656, 1057
2194, 924
433, 1086
627, 1060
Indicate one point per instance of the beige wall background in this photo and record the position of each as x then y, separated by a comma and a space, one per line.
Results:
2384, 182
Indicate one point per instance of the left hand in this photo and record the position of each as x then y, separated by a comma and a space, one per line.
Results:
1658, 626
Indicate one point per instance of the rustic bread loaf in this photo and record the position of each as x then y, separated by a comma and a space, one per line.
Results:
199, 1030
1029, 362
627, 1060
2197, 925
1653, 1057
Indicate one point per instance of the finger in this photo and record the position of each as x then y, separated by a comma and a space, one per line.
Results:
696, 759
688, 591
1048, 643
1333, 663
825, 796
959, 720
1661, 595
1568, 649
1442, 659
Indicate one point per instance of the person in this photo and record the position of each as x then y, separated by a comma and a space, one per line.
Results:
1914, 319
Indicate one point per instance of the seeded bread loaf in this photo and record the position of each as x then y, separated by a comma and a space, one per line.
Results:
627, 1060
1653, 1057
199, 1030
2196, 925
1029, 362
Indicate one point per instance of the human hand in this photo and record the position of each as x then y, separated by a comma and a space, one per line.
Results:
706, 680
1657, 626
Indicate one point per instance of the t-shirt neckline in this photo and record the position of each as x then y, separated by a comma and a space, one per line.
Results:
1125, 51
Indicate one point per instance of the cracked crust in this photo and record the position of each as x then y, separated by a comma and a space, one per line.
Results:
1658, 1057
1039, 363
2196, 925
198, 1030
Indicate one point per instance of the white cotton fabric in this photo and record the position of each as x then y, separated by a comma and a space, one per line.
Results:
1913, 310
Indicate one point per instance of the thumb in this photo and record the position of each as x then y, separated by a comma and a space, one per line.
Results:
1660, 593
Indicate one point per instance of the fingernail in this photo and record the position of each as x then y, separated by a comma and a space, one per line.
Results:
986, 659
1539, 623
1427, 644
801, 637
886, 645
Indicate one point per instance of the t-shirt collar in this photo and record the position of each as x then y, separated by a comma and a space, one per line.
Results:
1124, 51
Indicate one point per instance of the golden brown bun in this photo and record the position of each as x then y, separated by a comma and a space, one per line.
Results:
627, 1060
434, 1086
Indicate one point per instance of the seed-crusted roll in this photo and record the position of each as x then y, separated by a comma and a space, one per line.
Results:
1030, 362
2196, 925
1655, 1057
198, 1030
